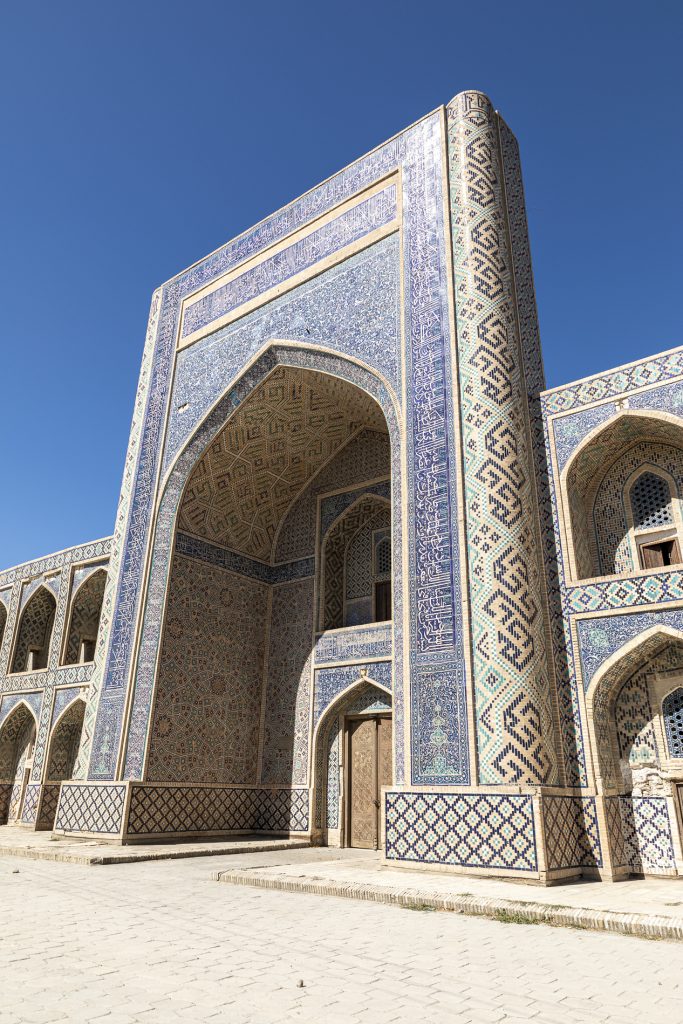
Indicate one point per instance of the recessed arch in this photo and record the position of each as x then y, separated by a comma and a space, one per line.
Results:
592, 485
65, 737
17, 739
34, 633
165, 541
638, 655
335, 570
364, 696
3, 621
84, 619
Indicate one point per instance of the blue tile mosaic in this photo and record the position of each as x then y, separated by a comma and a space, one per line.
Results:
194, 547
351, 226
464, 829
570, 431
356, 644
599, 638
330, 682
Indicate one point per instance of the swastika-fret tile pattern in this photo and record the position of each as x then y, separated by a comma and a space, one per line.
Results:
468, 830
349, 395
512, 687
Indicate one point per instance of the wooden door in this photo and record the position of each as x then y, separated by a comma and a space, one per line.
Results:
369, 761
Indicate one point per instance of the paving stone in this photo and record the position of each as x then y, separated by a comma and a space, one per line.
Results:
155, 942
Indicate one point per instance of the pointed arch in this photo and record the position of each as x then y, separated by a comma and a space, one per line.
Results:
334, 568
146, 652
65, 737
363, 695
3, 621
17, 738
34, 634
84, 619
628, 666
597, 524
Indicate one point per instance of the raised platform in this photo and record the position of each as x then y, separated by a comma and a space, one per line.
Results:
21, 842
649, 908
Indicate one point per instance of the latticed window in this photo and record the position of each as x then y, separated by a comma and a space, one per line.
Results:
672, 708
651, 502
383, 557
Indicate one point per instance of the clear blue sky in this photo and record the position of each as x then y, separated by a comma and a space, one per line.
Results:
138, 137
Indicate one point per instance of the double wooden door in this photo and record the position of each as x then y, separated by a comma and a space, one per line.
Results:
369, 768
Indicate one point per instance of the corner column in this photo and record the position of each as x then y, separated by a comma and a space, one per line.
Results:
513, 697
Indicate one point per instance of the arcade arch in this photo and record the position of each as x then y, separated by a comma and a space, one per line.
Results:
234, 679
84, 621
17, 740
32, 647
623, 488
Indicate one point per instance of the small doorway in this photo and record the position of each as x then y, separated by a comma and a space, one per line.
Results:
369, 760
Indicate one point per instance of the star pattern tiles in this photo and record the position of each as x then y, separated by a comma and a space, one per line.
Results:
275, 442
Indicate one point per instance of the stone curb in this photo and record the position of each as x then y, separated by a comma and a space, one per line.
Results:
646, 926
34, 853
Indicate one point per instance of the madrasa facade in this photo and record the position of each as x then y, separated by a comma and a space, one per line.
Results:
370, 584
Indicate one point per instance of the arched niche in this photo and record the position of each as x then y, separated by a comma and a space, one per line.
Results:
601, 533
17, 740
364, 697
353, 566
34, 634
84, 619
233, 677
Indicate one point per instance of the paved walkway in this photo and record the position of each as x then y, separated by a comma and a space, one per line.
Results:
648, 907
16, 841
160, 942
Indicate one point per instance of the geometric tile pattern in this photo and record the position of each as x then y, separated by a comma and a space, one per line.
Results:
163, 809
209, 678
512, 689
330, 682
365, 512
651, 502
48, 807
625, 593
363, 698
611, 525
277, 440
288, 693
365, 457
64, 743
572, 837
193, 547
436, 636
156, 597
90, 808
633, 716
616, 383
648, 844
469, 830
29, 811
